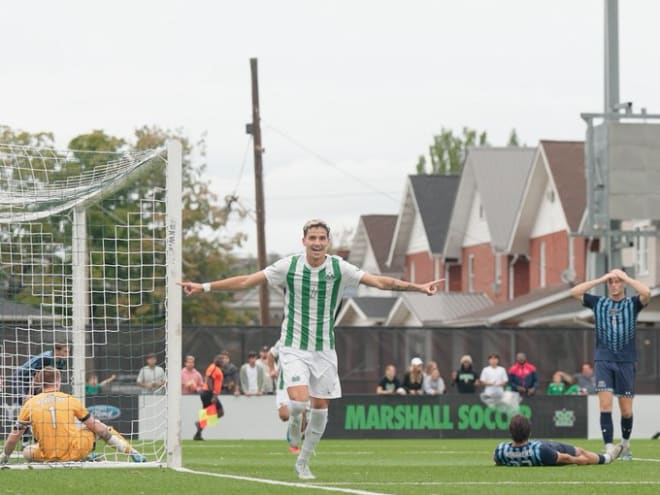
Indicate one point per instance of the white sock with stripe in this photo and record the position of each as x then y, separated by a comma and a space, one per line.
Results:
317, 422
296, 409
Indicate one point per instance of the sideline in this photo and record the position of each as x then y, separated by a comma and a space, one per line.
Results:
267, 481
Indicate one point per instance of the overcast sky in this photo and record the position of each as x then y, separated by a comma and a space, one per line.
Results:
352, 91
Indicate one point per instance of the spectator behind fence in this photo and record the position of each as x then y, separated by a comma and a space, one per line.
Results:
414, 378
493, 378
465, 379
433, 383
586, 379
93, 386
523, 377
151, 377
390, 384
191, 379
230, 374
561, 384
253, 376
269, 383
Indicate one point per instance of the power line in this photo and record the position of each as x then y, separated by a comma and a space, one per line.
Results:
329, 163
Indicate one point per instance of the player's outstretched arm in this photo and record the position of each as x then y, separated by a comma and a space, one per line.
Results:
239, 282
389, 283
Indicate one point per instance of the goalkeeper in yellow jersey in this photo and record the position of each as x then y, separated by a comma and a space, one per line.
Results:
52, 416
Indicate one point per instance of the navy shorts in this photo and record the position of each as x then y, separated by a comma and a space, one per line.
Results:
617, 377
564, 448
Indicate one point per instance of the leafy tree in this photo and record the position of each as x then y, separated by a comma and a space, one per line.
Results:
513, 138
24, 138
205, 253
114, 272
448, 151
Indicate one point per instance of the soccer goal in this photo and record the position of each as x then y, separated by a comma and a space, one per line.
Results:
90, 254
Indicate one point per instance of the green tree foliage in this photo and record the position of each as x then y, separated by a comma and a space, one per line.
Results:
513, 138
448, 151
116, 270
205, 251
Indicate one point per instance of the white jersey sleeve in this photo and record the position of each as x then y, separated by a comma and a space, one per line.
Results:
276, 273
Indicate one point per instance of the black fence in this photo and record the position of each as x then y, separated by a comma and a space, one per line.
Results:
364, 352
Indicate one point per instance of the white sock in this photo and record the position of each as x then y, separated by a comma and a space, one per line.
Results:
608, 447
315, 428
625, 442
296, 409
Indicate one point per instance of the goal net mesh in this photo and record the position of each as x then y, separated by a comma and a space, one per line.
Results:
83, 286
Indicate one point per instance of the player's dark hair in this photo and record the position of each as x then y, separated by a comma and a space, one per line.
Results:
520, 428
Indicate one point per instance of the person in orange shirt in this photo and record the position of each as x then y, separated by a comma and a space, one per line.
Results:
52, 416
210, 391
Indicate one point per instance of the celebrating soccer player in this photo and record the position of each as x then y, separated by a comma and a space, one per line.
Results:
314, 283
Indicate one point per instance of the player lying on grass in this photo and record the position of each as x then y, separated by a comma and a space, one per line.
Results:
52, 415
525, 452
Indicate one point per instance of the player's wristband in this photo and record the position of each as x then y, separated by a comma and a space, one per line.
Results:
207, 287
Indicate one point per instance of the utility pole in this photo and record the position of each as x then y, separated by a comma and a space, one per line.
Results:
255, 130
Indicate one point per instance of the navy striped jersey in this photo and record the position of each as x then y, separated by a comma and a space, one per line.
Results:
22, 379
615, 323
312, 298
533, 453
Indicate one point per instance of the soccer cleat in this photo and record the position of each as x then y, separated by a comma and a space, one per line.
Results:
609, 449
94, 457
615, 452
626, 454
294, 450
137, 457
302, 470
198, 435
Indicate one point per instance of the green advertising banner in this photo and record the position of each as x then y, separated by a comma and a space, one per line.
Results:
451, 416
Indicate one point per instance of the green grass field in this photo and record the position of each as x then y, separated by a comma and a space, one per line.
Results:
406, 467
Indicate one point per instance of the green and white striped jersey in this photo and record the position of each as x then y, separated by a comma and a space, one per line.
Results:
311, 298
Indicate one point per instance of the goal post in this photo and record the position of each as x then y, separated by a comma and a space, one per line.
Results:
90, 257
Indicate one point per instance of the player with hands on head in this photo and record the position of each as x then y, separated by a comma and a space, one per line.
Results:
314, 282
615, 353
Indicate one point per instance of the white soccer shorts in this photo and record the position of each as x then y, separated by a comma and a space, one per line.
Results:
315, 369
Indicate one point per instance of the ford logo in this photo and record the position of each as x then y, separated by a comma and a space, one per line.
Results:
104, 412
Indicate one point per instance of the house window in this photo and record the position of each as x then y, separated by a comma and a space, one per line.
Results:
641, 254
470, 273
412, 271
542, 264
481, 212
497, 281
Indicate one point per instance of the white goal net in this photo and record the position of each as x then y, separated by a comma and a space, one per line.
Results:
89, 259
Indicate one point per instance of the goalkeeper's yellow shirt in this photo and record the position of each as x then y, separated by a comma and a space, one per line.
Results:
52, 416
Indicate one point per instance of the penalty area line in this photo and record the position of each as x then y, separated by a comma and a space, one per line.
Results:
292, 484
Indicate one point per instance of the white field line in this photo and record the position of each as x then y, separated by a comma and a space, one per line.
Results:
266, 481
